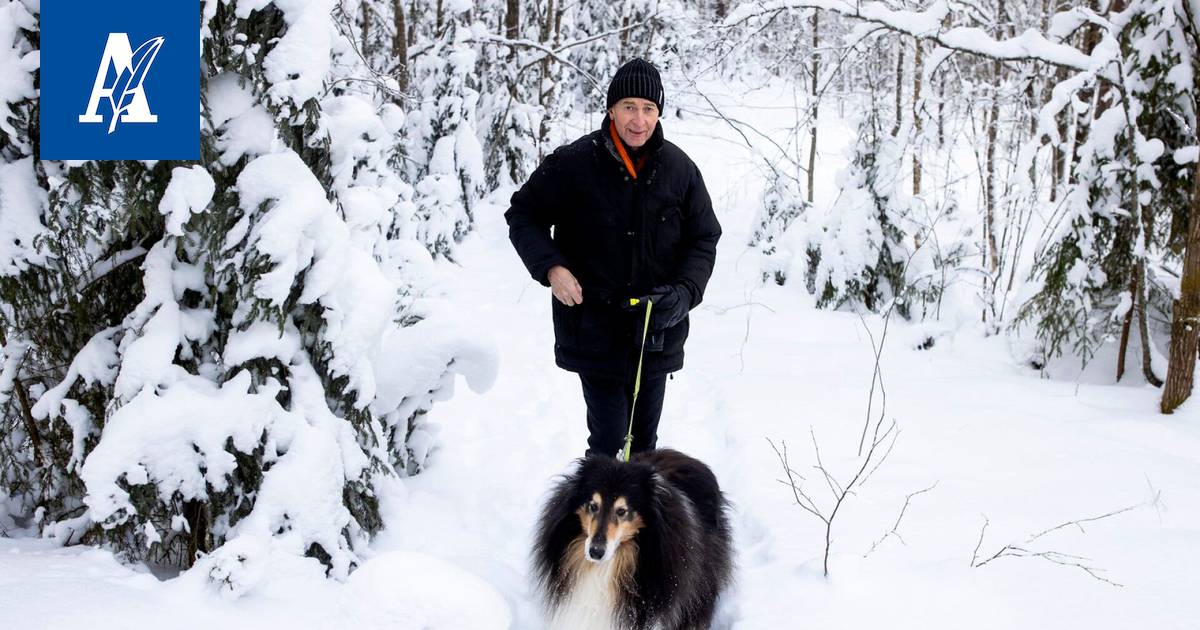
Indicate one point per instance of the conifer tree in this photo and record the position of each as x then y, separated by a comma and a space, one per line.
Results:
206, 361
782, 204
452, 176
1121, 224
857, 255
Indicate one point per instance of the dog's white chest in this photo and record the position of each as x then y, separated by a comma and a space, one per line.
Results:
589, 606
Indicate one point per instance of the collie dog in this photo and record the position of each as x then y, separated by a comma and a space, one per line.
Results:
636, 545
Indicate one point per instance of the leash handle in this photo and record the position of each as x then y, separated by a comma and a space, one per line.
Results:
637, 381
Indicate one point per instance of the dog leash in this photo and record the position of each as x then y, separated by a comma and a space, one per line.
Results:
637, 380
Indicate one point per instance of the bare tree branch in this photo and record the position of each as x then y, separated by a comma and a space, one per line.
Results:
1021, 550
928, 25
895, 531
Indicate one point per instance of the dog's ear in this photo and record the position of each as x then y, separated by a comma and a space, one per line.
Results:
557, 527
670, 525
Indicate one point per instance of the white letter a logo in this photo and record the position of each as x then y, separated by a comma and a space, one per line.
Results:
125, 95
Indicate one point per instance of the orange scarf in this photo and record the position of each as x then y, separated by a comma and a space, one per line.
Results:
616, 138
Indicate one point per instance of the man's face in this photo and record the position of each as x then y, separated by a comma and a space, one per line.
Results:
635, 118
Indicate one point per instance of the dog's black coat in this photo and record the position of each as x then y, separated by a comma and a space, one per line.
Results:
684, 556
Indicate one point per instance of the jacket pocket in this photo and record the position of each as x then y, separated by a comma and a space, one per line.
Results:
668, 235
566, 323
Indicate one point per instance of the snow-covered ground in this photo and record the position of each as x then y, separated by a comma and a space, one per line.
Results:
996, 443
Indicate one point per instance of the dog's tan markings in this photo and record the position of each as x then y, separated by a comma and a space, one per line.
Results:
627, 529
625, 522
625, 562
573, 556
589, 514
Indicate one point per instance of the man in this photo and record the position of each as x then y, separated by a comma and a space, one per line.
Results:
631, 219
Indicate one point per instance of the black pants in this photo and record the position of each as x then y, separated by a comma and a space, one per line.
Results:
608, 401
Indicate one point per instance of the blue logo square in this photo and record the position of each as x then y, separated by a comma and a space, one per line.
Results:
138, 58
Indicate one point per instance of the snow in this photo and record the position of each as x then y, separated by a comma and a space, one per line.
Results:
190, 191
414, 358
300, 501
177, 437
1000, 442
96, 362
1029, 44
243, 128
409, 590
354, 131
260, 340
301, 233
21, 203
296, 201
17, 61
161, 325
297, 65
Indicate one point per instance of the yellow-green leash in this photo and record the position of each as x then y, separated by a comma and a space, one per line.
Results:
637, 381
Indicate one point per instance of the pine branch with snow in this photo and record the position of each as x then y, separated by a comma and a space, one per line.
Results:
857, 255
219, 359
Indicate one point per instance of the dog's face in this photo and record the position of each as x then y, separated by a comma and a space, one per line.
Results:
611, 502
608, 520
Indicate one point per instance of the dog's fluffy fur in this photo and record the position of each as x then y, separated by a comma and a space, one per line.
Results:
634, 545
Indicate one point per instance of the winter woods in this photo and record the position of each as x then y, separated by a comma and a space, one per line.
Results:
224, 361
1082, 125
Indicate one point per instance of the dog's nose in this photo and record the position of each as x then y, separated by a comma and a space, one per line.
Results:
596, 551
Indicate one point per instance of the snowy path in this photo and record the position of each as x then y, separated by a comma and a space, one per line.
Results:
998, 442
1025, 453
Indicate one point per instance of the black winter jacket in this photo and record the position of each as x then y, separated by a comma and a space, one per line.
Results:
620, 237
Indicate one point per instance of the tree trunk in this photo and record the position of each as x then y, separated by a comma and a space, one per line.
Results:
899, 87
1144, 326
35, 438
413, 17
721, 10
198, 517
544, 37
546, 86
916, 97
941, 115
1122, 350
512, 22
366, 29
400, 45
625, 13
812, 143
1185, 321
989, 201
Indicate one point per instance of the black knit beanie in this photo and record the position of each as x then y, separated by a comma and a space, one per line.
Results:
638, 78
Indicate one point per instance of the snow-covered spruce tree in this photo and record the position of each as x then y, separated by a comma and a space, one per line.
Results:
221, 357
857, 254
512, 140
451, 174
782, 203
508, 103
31, 453
1109, 265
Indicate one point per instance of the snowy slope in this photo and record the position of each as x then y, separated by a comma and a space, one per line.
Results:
993, 440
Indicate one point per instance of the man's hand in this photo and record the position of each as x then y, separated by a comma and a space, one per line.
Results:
670, 306
564, 286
